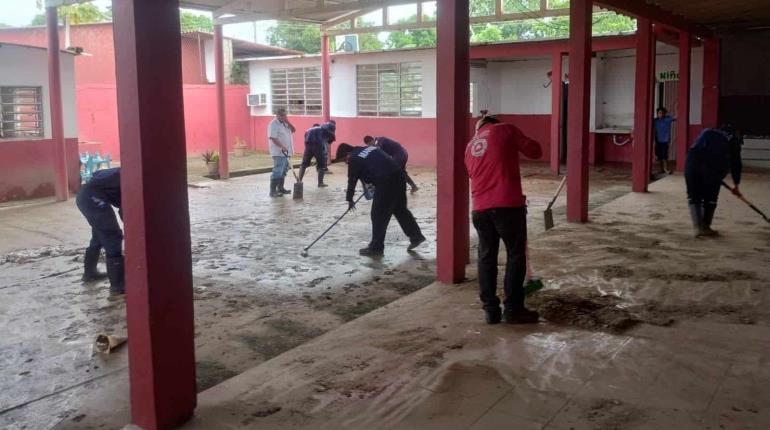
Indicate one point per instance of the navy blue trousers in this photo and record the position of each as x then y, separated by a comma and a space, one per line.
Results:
105, 231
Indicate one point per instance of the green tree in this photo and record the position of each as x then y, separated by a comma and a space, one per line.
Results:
192, 22
301, 37
369, 42
82, 13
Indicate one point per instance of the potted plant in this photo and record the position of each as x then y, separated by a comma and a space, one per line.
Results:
239, 147
211, 159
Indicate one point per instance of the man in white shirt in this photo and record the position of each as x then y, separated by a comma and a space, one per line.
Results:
279, 133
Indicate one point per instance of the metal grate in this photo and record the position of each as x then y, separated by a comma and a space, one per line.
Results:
298, 90
21, 112
390, 89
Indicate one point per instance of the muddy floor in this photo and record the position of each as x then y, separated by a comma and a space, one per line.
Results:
255, 296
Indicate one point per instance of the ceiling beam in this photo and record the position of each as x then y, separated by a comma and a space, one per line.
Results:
636, 8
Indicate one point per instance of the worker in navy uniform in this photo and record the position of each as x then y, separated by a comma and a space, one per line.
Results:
396, 151
95, 201
331, 130
372, 165
316, 138
715, 152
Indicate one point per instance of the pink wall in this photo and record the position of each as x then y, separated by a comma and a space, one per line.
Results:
98, 117
418, 135
26, 168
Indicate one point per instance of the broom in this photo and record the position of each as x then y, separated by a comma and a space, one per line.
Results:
548, 214
533, 283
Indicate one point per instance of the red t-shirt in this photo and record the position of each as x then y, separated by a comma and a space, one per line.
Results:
492, 160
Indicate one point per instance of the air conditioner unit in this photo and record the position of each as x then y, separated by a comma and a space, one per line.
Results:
256, 100
347, 43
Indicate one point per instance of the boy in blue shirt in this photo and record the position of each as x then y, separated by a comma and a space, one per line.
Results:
662, 125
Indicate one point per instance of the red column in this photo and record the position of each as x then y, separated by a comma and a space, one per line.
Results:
159, 301
452, 83
710, 82
325, 100
579, 109
54, 97
683, 100
556, 76
219, 76
640, 170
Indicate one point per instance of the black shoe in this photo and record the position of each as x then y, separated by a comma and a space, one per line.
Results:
281, 188
370, 252
90, 260
493, 315
414, 189
116, 273
322, 185
521, 316
415, 243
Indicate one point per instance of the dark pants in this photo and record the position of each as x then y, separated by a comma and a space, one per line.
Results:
661, 150
105, 231
390, 200
317, 151
510, 225
702, 182
401, 161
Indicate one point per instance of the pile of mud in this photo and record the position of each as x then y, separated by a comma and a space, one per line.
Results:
589, 311
31, 255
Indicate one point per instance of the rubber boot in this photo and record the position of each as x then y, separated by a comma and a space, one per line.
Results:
273, 188
90, 274
116, 273
321, 179
708, 217
520, 316
493, 314
281, 188
696, 214
301, 173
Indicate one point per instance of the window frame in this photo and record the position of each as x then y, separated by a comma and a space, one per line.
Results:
298, 89
11, 116
389, 90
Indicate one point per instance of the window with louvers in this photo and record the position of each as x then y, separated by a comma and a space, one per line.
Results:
21, 112
297, 89
390, 89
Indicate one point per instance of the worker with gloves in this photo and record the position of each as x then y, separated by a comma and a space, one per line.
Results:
396, 151
715, 152
500, 212
373, 166
95, 200
316, 138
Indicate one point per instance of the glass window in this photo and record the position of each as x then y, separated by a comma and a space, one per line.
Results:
21, 112
297, 89
389, 89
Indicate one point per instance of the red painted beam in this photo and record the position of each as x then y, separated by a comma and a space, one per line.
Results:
453, 96
578, 110
642, 9
683, 97
640, 170
159, 302
711, 48
54, 96
325, 74
547, 47
556, 95
219, 76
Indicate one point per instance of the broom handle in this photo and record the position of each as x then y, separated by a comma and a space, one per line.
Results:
743, 199
333, 224
288, 160
556, 196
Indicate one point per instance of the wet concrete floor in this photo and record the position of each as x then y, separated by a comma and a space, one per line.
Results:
255, 297
697, 359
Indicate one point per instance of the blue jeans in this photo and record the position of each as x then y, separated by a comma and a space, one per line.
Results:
280, 167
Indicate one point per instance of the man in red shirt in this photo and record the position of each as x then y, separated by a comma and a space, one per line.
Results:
500, 212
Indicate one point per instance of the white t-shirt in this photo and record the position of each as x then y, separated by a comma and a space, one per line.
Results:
282, 133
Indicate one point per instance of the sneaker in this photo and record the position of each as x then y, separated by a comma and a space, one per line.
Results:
415, 243
521, 316
370, 252
493, 315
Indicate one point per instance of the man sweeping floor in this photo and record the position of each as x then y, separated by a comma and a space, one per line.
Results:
373, 166
500, 212
396, 151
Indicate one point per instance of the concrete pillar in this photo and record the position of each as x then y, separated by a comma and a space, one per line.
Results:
711, 49
453, 83
325, 65
55, 104
556, 95
683, 97
159, 302
640, 169
578, 110
219, 73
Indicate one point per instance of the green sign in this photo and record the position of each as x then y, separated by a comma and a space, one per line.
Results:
671, 75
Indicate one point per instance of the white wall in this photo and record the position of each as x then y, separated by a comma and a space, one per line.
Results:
20, 65
503, 86
208, 57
